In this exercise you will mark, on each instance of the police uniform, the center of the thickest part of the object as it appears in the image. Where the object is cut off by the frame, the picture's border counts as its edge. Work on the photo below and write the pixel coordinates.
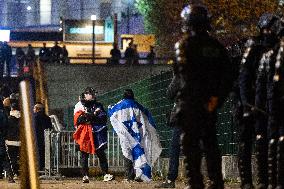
(276, 120)
(255, 91)
(206, 72)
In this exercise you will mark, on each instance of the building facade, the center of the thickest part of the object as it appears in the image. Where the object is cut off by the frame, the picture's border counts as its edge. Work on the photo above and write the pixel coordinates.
(19, 14)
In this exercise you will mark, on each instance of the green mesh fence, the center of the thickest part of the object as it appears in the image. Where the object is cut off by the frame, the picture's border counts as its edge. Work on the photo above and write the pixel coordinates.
(151, 93)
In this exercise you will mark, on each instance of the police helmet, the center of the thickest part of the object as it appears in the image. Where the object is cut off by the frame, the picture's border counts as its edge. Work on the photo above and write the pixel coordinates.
(280, 31)
(195, 16)
(268, 21)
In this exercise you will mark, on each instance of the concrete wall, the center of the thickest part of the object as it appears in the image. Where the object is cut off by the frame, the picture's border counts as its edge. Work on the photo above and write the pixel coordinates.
(229, 168)
(66, 82)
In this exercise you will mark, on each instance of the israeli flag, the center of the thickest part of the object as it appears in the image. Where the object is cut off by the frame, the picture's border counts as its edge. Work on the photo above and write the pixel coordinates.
(136, 130)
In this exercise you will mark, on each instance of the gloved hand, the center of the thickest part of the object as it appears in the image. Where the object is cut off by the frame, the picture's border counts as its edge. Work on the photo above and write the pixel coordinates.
(212, 103)
(84, 119)
(89, 117)
(247, 112)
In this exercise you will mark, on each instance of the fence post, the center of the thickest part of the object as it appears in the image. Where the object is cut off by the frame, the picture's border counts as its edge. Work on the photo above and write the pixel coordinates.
(58, 142)
(47, 152)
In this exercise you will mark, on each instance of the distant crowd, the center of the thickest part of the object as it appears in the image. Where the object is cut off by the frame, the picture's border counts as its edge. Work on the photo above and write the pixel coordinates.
(131, 55)
(25, 59)
(55, 54)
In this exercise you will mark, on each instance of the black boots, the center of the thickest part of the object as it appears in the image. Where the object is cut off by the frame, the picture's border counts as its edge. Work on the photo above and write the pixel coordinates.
(244, 165)
(261, 162)
(272, 150)
(280, 163)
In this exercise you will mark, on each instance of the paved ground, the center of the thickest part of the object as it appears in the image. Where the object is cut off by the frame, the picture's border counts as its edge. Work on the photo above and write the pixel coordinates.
(94, 184)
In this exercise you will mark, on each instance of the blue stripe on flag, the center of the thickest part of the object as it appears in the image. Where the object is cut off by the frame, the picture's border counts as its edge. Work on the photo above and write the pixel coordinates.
(128, 103)
(146, 170)
(137, 151)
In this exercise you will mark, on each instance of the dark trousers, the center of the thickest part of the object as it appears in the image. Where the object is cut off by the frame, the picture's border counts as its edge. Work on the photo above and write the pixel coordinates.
(199, 128)
(276, 142)
(261, 124)
(245, 141)
(20, 70)
(1, 70)
(41, 153)
(174, 154)
(12, 164)
(2, 155)
(275, 117)
(129, 169)
(102, 159)
(8, 63)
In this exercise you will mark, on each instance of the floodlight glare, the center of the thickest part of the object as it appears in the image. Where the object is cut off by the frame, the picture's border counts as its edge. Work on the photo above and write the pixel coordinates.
(93, 17)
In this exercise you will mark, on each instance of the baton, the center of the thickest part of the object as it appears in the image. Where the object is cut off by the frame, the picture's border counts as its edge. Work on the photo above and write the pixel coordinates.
(254, 108)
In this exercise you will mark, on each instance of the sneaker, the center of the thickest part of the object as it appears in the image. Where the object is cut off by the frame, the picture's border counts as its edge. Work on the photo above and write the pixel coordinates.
(108, 177)
(86, 179)
(11, 180)
(166, 184)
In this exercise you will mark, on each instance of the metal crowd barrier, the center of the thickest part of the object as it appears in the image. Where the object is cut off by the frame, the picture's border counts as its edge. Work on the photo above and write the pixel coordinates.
(61, 152)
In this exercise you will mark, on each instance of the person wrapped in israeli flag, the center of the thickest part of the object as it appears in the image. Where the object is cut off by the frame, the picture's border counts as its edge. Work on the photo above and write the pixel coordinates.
(139, 140)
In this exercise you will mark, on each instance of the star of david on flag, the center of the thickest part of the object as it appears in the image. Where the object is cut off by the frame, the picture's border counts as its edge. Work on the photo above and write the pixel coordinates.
(136, 130)
(133, 128)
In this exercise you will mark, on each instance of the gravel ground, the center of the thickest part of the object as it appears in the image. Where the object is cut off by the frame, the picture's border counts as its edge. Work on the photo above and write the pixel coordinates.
(94, 184)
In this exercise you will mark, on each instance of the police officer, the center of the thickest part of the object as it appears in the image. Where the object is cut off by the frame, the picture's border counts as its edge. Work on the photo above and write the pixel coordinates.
(276, 118)
(206, 78)
(175, 148)
(245, 129)
(254, 72)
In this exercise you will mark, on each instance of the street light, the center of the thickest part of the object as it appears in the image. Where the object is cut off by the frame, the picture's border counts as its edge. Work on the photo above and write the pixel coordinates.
(93, 18)
(128, 18)
(128, 15)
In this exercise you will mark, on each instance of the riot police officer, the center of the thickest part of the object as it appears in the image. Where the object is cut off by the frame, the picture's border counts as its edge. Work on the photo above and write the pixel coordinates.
(244, 127)
(253, 83)
(206, 78)
(276, 117)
